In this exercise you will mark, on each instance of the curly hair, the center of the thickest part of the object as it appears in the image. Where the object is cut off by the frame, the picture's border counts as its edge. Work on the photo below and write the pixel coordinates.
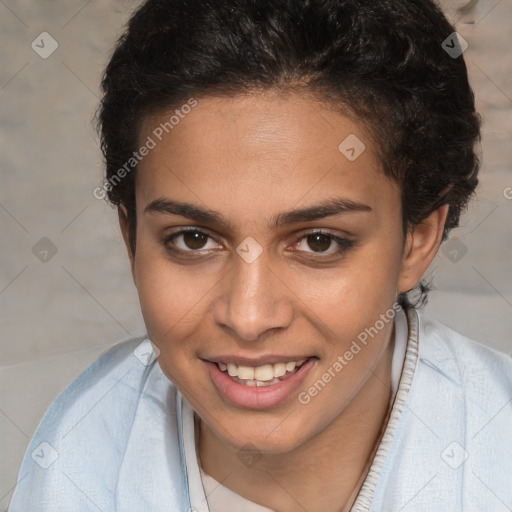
(381, 61)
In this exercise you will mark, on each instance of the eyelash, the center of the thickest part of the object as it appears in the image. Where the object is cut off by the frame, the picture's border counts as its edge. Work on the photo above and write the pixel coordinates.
(344, 244)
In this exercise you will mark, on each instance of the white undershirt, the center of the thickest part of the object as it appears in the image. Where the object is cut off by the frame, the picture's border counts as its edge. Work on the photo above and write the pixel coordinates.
(208, 495)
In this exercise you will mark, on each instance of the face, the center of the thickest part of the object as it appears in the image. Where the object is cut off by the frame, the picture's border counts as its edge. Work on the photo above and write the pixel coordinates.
(260, 244)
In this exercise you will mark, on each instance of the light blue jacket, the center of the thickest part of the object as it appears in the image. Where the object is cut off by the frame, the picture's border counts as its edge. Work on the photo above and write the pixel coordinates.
(112, 441)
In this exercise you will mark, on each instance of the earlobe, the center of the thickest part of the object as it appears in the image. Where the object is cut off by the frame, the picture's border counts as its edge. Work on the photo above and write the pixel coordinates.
(421, 246)
(125, 231)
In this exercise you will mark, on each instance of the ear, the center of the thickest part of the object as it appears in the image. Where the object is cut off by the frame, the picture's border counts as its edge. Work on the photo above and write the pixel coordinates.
(123, 224)
(421, 246)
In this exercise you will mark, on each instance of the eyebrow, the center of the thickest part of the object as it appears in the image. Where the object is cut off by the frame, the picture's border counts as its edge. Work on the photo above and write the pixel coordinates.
(329, 208)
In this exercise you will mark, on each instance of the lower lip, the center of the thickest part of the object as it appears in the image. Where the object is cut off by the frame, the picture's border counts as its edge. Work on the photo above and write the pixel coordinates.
(257, 397)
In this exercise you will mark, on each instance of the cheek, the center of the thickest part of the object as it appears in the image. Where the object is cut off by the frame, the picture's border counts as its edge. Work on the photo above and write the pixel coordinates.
(172, 300)
(354, 315)
(351, 297)
(174, 307)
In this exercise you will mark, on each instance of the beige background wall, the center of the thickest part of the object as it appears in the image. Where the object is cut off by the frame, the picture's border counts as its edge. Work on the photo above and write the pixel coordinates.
(57, 316)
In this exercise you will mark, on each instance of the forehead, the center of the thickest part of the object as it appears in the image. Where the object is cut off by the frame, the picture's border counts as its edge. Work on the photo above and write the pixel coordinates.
(259, 151)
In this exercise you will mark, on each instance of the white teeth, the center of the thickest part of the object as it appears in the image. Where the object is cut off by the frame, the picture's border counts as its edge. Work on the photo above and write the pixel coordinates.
(265, 372)
(279, 369)
(245, 372)
(258, 383)
(260, 375)
(290, 366)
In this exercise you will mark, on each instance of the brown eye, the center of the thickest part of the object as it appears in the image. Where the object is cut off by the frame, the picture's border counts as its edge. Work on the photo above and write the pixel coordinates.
(190, 241)
(195, 239)
(319, 242)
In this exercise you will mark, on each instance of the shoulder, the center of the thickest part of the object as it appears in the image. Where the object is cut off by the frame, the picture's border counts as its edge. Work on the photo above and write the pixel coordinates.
(87, 434)
(465, 388)
(464, 361)
(456, 418)
(124, 366)
(109, 389)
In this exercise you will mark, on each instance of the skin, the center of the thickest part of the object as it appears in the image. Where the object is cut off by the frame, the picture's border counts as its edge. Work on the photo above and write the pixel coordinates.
(250, 158)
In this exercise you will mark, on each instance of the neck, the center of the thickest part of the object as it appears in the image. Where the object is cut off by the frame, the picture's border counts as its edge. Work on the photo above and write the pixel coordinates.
(324, 473)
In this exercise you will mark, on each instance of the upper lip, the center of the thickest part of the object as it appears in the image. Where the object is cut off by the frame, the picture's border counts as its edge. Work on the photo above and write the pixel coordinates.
(258, 361)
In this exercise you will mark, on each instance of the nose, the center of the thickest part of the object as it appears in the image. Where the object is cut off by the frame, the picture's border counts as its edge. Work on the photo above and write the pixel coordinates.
(253, 301)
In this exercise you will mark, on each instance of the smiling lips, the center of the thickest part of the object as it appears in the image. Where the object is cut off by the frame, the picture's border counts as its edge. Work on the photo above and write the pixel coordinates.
(265, 375)
(258, 387)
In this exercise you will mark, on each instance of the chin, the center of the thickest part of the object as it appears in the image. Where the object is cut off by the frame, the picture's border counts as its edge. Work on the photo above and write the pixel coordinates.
(277, 435)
